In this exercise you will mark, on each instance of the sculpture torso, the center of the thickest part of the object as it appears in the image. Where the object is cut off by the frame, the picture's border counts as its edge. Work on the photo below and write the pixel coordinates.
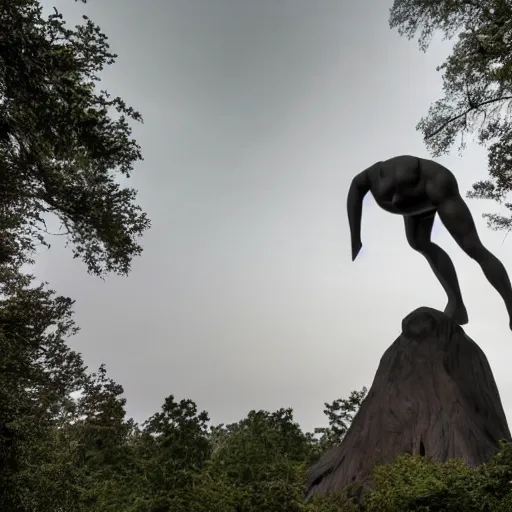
(400, 185)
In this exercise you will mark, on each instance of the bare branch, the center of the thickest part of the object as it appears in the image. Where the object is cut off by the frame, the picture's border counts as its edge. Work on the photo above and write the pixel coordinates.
(465, 113)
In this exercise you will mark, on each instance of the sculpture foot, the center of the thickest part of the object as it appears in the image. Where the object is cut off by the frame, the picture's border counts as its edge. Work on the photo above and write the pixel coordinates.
(458, 313)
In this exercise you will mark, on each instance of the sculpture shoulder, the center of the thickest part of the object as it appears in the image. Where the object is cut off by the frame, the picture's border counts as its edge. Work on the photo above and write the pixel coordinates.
(374, 174)
(365, 180)
(440, 183)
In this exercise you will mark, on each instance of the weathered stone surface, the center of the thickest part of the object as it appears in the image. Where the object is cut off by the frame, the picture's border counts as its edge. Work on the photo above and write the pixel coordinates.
(433, 394)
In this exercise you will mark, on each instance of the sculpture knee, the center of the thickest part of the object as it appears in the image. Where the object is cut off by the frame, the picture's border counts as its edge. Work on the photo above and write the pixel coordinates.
(476, 251)
(419, 245)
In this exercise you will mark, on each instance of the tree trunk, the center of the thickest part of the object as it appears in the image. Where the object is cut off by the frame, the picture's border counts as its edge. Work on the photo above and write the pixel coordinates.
(433, 394)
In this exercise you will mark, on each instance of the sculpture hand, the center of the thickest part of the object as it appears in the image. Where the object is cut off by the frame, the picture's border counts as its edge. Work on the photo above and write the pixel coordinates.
(356, 247)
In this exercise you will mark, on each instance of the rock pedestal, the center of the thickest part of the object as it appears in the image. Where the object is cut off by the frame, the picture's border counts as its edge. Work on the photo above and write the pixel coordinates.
(433, 394)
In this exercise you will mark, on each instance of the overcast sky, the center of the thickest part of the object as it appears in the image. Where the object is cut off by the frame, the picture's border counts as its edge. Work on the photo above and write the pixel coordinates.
(257, 116)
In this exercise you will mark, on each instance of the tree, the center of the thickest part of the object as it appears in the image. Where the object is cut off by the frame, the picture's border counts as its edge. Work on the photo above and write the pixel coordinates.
(340, 414)
(63, 148)
(477, 84)
(38, 371)
(100, 436)
(63, 144)
(417, 483)
(264, 457)
(173, 449)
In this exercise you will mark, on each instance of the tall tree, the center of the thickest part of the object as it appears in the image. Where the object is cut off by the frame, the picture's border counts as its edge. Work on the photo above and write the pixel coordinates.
(37, 372)
(63, 144)
(477, 84)
(101, 439)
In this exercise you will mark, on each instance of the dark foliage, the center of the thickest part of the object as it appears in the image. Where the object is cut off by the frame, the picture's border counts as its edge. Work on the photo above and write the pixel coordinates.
(477, 84)
(63, 144)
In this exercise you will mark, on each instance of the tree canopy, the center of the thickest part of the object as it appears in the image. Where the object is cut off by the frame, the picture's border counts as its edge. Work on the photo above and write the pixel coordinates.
(63, 143)
(63, 147)
(80, 452)
(477, 84)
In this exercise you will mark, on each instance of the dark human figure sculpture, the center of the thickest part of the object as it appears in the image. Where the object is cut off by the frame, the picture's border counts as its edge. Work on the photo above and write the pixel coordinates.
(417, 189)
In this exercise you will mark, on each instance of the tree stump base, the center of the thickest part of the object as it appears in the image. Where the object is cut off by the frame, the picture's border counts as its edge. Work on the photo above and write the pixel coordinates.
(433, 394)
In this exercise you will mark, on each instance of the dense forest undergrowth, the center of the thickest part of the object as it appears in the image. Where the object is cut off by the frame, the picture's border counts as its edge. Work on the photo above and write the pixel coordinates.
(67, 445)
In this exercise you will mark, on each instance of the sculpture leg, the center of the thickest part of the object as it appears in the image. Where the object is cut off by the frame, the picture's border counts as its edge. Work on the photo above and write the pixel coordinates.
(418, 229)
(457, 218)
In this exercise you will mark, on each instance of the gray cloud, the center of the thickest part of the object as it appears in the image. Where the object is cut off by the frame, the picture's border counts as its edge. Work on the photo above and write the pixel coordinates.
(257, 116)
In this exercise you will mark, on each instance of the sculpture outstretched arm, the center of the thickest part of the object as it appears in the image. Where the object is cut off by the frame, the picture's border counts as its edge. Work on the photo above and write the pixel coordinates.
(358, 189)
